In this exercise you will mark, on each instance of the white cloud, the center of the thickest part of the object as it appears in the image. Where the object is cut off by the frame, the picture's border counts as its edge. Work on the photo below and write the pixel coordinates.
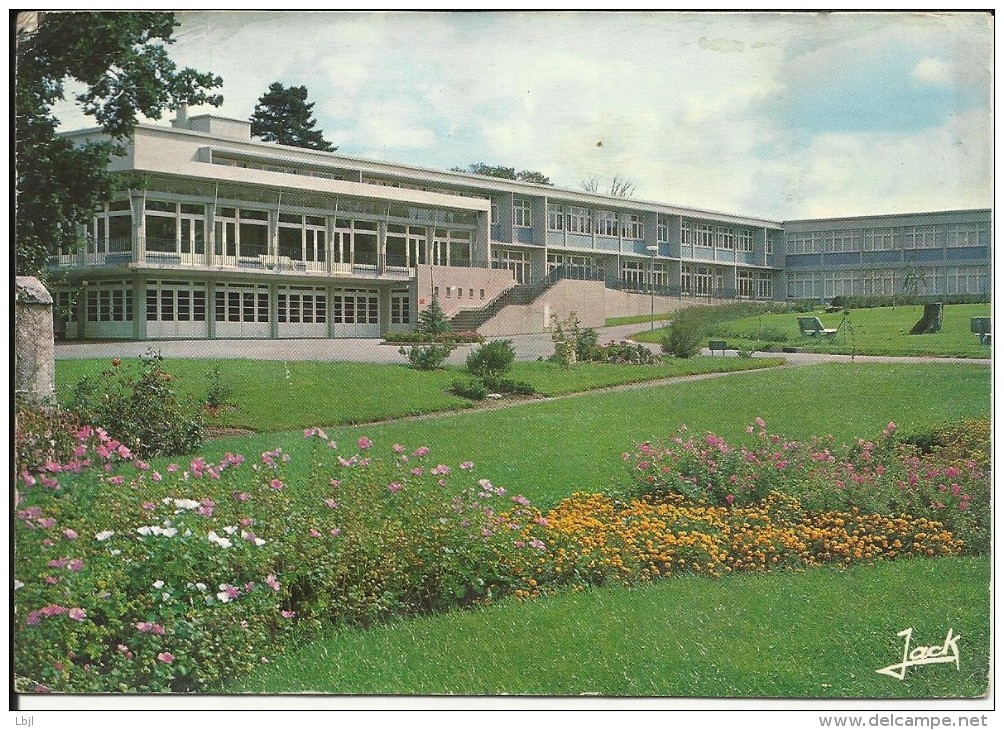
(933, 71)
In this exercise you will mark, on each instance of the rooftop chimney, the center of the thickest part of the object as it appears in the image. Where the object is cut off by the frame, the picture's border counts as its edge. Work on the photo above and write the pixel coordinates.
(182, 119)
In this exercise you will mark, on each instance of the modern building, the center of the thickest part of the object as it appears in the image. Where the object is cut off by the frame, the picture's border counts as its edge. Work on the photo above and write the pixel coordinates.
(217, 235)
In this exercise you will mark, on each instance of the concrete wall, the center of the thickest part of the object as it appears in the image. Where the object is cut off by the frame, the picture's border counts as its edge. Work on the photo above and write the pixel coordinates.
(34, 345)
(455, 285)
(629, 304)
(583, 298)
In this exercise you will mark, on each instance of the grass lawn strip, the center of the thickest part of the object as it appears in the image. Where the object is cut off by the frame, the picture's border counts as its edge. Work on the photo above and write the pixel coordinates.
(550, 449)
(821, 633)
(276, 395)
(878, 331)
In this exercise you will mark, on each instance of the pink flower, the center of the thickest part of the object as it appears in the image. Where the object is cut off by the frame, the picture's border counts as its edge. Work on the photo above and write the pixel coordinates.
(336, 532)
(275, 484)
(467, 465)
(417, 471)
(116, 480)
(242, 496)
(332, 504)
(77, 614)
(394, 487)
(171, 468)
(730, 499)
(288, 614)
(442, 469)
(47, 522)
(272, 582)
(246, 521)
(314, 533)
(364, 443)
(420, 451)
(520, 499)
(70, 534)
(166, 657)
(398, 449)
(336, 483)
(76, 565)
(760, 422)
(58, 563)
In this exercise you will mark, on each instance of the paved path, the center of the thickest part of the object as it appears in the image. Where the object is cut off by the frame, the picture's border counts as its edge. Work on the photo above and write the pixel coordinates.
(528, 347)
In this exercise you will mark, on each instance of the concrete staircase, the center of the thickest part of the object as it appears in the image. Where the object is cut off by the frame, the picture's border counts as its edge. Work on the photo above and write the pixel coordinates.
(468, 320)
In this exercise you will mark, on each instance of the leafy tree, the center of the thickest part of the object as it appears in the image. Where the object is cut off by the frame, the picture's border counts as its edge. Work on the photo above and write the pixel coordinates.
(506, 173)
(432, 320)
(121, 60)
(619, 187)
(283, 115)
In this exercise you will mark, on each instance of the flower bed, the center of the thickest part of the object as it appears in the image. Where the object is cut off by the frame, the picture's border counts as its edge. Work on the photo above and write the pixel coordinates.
(131, 579)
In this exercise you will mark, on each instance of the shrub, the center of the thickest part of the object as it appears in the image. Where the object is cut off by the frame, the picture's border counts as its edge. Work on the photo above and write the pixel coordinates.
(140, 409)
(683, 339)
(565, 336)
(626, 353)
(469, 388)
(878, 476)
(42, 435)
(428, 357)
(220, 394)
(426, 338)
(432, 320)
(508, 387)
(587, 345)
(492, 360)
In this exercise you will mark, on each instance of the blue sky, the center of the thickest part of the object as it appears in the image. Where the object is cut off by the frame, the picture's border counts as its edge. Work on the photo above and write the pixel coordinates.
(773, 114)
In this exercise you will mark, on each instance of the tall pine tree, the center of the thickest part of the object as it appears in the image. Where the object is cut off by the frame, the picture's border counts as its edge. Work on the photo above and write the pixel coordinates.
(283, 115)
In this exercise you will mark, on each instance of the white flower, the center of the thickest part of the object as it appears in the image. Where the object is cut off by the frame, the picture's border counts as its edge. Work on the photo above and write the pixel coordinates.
(185, 504)
(169, 532)
(116, 552)
(201, 586)
(223, 596)
(166, 500)
(102, 536)
(221, 541)
(158, 584)
(166, 597)
(145, 530)
(18, 584)
(259, 542)
(188, 533)
(230, 529)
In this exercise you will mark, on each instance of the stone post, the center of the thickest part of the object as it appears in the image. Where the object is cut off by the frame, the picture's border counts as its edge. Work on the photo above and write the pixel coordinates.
(34, 344)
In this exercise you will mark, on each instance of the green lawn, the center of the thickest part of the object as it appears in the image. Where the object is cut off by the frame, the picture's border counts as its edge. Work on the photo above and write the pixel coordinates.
(879, 331)
(822, 633)
(638, 318)
(550, 449)
(276, 396)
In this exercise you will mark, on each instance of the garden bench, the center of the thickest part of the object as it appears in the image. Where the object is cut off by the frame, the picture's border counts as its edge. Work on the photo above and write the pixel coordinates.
(812, 327)
(980, 326)
(716, 345)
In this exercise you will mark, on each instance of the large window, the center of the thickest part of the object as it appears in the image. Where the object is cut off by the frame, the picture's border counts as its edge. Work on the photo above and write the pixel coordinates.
(302, 238)
(662, 230)
(634, 227)
(111, 229)
(175, 301)
(355, 306)
(517, 261)
(521, 214)
(109, 301)
(400, 307)
(744, 240)
(579, 220)
(301, 305)
(241, 303)
(606, 223)
(969, 234)
(555, 218)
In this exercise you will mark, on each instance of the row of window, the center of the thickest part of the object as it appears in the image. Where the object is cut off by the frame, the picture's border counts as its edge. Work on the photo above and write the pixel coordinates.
(723, 237)
(889, 239)
(947, 280)
(180, 301)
